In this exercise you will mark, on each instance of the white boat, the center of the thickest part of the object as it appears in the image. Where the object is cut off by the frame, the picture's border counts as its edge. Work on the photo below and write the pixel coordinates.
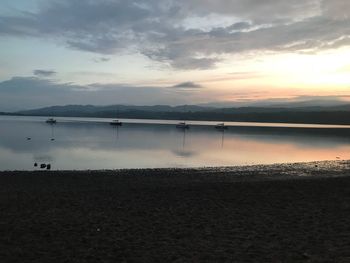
(116, 123)
(182, 125)
(51, 121)
(221, 126)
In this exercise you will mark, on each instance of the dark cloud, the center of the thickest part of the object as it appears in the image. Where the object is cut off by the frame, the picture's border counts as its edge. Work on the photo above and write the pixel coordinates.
(239, 26)
(32, 86)
(21, 93)
(187, 85)
(158, 30)
(33, 92)
(44, 73)
(193, 63)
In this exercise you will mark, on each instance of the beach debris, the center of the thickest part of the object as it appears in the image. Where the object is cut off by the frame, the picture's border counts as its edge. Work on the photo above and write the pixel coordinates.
(43, 165)
(48, 166)
(28, 138)
(35, 164)
(52, 139)
(306, 255)
(337, 157)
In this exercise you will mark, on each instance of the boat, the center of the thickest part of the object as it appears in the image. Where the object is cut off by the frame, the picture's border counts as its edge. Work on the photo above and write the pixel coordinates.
(182, 125)
(116, 123)
(221, 126)
(51, 121)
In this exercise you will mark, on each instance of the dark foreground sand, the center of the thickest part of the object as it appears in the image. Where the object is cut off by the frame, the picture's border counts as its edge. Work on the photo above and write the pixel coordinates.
(243, 214)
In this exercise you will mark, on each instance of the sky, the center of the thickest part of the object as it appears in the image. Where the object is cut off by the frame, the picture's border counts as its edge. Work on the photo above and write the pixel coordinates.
(147, 52)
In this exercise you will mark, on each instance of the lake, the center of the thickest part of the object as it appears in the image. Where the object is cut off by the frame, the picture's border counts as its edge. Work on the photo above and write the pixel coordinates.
(91, 143)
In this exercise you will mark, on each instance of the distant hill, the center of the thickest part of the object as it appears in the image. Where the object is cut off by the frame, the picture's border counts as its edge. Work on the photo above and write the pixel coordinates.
(339, 114)
(110, 110)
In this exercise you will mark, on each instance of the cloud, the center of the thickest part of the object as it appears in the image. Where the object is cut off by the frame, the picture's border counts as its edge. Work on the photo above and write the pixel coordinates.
(101, 59)
(187, 85)
(44, 73)
(158, 29)
(336, 9)
(240, 26)
(20, 93)
(261, 11)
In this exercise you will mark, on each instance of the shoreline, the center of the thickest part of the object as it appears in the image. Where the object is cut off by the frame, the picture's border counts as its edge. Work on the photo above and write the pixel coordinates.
(314, 169)
(197, 122)
(270, 213)
(316, 120)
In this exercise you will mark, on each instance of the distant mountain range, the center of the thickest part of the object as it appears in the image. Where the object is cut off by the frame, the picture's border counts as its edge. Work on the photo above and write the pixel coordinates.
(112, 110)
(297, 112)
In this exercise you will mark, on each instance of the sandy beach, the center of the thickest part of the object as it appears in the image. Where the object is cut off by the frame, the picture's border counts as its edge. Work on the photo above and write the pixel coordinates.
(271, 213)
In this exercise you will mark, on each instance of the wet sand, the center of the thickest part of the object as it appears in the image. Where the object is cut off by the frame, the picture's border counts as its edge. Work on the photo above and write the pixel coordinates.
(275, 213)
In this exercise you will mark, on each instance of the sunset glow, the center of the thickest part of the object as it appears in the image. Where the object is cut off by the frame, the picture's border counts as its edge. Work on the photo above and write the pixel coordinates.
(230, 49)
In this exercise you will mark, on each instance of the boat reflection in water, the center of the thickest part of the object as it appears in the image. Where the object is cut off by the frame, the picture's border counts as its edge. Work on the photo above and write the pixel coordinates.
(116, 123)
(221, 126)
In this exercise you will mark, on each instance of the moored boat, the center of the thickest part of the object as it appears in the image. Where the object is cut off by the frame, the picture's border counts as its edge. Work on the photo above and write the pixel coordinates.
(182, 125)
(221, 126)
(51, 121)
(116, 123)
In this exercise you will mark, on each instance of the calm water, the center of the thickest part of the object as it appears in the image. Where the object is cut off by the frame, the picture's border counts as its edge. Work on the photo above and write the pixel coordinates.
(87, 143)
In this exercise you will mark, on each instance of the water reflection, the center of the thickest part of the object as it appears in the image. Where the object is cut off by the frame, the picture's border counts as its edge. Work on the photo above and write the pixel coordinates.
(183, 151)
(115, 130)
(92, 145)
(52, 131)
(222, 131)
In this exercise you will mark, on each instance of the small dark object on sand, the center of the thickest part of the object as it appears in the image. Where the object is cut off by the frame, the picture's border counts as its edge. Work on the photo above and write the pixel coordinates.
(306, 255)
(316, 165)
(42, 165)
(35, 164)
(52, 139)
(48, 167)
(28, 138)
